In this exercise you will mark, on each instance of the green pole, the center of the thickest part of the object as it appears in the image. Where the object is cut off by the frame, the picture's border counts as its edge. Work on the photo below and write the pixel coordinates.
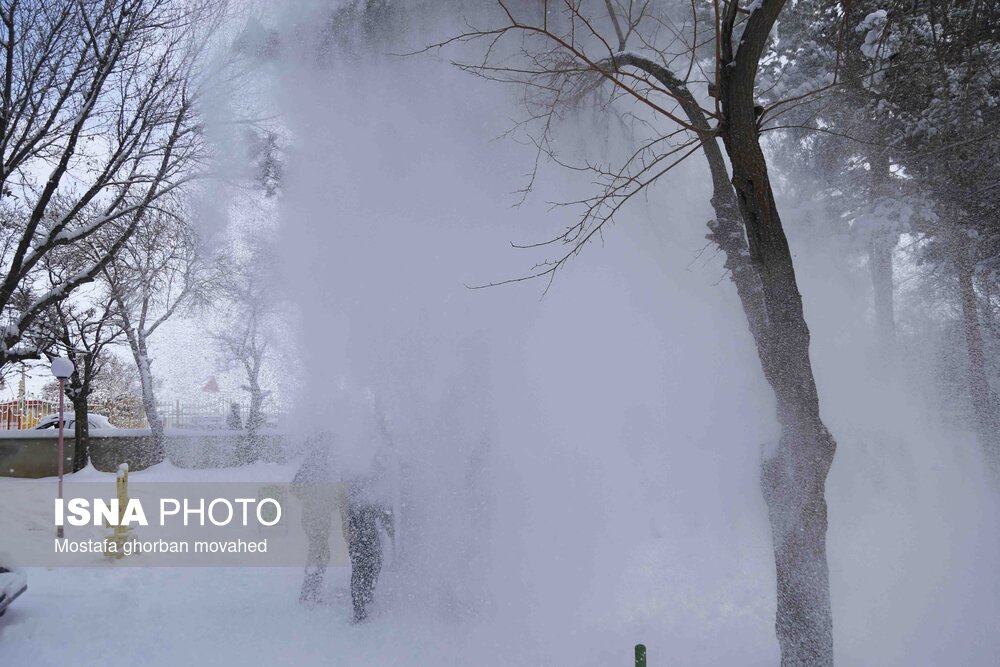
(640, 655)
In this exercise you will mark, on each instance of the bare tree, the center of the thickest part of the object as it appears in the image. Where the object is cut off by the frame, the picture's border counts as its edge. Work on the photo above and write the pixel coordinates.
(116, 391)
(97, 122)
(84, 334)
(83, 325)
(156, 274)
(112, 388)
(563, 54)
(246, 334)
(944, 138)
(794, 476)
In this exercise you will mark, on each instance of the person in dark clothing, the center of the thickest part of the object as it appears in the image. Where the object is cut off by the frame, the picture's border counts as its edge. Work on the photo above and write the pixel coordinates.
(362, 511)
(365, 548)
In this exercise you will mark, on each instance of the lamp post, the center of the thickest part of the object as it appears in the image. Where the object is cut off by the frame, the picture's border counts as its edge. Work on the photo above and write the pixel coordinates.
(62, 368)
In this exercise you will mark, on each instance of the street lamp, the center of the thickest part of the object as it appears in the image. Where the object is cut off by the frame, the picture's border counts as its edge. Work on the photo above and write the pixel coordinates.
(62, 368)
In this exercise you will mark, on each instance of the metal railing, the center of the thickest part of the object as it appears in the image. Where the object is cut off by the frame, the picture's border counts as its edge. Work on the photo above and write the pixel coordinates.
(212, 415)
(207, 414)
(24, 414)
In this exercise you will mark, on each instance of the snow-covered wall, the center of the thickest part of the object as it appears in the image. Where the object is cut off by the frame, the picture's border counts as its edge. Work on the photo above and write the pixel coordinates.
(33, 453)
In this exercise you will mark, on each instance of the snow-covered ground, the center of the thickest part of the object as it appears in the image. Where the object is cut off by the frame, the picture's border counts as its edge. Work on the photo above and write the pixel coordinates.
(214, 616)
(117, 614)
(900, 599)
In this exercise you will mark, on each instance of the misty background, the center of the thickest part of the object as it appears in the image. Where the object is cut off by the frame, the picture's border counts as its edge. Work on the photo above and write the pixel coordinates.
(613, 427)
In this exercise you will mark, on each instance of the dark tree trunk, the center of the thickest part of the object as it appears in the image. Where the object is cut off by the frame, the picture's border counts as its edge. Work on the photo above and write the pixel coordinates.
(793, 476)
(251, 437)
(726, 230)
(82, 432)
(255, 417)
(983, 400)
(78, 392)
(880, 265)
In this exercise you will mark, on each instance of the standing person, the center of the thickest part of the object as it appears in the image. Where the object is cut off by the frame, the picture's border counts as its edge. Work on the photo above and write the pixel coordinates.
(367, 505)
(364, 545)
(314, 486)
(363, 505)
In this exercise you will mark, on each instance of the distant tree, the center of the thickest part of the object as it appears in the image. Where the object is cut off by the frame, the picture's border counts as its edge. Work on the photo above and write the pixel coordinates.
(113, 392)
(116, 392)
(823, 124)
(247, 307)
(900, 139)
(158, 273)
(247, 332)
(83, 326)
(264, 153)
(85, 333)
(933, 73)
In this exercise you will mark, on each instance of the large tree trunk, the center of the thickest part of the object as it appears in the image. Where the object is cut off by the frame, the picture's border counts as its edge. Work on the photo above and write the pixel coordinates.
(81, 454)
(793, 476)
(78, 392)
(983, 400)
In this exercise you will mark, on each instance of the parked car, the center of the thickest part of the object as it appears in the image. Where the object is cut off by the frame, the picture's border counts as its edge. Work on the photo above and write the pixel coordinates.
(94, 420)
(12, 584)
